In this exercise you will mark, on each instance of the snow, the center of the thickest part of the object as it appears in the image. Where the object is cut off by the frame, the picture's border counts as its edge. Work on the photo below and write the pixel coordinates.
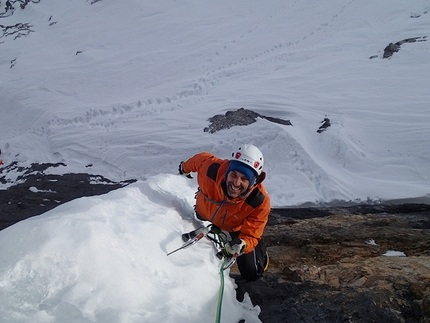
(127, 87)
(393, 253)
(371, 242)
(103, 259)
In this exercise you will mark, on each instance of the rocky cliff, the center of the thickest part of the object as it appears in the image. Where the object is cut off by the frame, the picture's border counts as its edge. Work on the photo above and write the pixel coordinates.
(358, 264)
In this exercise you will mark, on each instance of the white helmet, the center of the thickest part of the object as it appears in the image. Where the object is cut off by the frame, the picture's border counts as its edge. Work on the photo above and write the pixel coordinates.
(250, 156)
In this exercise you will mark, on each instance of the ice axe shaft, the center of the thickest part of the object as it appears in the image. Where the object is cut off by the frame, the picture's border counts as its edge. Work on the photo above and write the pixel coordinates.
(189, 243)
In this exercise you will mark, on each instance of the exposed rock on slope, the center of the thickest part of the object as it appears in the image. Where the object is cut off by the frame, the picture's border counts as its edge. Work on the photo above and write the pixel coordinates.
(394, 48)
(240, 117)
(37, 192)
(332, 268)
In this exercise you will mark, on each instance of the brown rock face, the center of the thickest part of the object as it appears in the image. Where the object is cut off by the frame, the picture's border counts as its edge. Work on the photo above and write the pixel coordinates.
(329, 265)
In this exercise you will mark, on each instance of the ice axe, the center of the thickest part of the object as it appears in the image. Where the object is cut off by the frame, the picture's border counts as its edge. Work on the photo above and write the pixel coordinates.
(201, 232)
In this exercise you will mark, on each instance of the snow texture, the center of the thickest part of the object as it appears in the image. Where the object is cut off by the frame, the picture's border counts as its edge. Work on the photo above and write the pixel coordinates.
(125, 89)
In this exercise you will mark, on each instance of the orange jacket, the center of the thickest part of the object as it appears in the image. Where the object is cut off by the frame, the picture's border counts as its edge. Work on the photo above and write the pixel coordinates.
(247, 214)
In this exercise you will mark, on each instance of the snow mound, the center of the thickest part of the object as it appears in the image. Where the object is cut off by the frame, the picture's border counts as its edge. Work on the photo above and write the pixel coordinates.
(103, 259)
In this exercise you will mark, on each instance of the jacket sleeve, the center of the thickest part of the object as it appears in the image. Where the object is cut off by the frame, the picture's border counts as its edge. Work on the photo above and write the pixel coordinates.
(254, 224)
(194, 163)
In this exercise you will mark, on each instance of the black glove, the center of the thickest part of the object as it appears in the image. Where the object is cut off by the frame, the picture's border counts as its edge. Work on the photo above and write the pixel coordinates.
(181, 171)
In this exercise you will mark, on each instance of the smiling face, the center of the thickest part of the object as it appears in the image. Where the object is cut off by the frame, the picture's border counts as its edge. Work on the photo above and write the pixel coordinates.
(237, 184)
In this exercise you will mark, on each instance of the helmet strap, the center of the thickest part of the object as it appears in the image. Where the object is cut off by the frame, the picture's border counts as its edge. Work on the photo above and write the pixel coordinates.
(260, 178)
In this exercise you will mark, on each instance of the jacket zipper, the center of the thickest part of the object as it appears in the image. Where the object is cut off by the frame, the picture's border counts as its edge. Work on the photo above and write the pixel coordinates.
(217, 210)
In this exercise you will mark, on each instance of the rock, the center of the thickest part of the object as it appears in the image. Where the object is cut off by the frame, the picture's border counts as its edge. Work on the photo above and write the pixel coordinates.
(394, 48)
(37, 192)
(330, 267)
(425, 305)
(240, 117)
(325, 124)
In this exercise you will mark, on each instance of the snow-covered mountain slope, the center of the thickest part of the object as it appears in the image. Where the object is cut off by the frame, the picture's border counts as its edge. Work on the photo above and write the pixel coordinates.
(128, 87)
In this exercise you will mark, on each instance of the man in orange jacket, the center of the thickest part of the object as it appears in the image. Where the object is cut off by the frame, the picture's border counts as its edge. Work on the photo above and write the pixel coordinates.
(233, 199)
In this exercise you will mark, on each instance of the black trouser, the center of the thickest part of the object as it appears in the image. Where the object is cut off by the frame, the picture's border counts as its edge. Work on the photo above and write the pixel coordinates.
(251, 265)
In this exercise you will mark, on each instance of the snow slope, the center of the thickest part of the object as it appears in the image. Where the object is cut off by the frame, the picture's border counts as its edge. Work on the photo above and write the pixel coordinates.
(128, 87)
(104, 259)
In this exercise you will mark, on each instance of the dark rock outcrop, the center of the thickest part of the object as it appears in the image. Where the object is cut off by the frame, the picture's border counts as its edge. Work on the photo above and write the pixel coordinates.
(395, 47)
(37, 192)
(328, 265)
(240, 117)
(325, 124)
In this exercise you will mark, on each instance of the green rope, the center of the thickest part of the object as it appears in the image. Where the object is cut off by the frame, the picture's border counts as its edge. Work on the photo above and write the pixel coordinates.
(221, 292)
(226, 264)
